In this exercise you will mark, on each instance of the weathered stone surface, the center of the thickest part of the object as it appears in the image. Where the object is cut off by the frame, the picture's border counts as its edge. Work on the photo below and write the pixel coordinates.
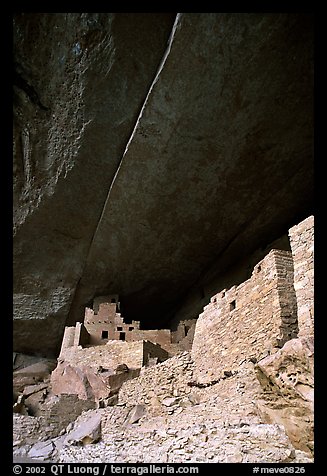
(87, 382)
(241, 416)
(189, 187)
(215, 430)
(170, 401)
(30, 389)
(35, 401)
(163, 382)
(19, 406)
(245, 321)
(302, 244)
(32, 374)
(113, 353)
(42, 450)
(80, 81)
(121, 368)
(53, 417)
(182, 178)
(135, 414)
(290, 370)
(217, 423)
(287, 379)
(25, 429)
(59, 411)
(24, 360)
(67, 379)
(86, 432)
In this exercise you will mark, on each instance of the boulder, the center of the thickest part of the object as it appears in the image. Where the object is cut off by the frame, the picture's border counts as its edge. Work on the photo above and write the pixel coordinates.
(86, 432)
(290, 370)
(82, 381)
(32, 374)
(42, 450)
(109, 401)
(170, 401)
(35, 401)
(88, 382)
(287, 381)
(30, 389)
(21, 361)
(135, 414)
(121, 368)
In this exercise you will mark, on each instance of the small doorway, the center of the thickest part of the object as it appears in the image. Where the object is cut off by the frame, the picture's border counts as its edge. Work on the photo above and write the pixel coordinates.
(121, 335)
(104, 335)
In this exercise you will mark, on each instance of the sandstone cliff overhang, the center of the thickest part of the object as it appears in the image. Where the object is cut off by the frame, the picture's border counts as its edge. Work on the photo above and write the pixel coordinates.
(147, 148)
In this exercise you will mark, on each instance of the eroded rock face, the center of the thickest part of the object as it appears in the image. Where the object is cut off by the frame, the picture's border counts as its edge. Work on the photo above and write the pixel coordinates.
(32, 374)
(160, 417)
(287, 379)
(216, 155)
(211, 172)
(87, 382)
(80, 81)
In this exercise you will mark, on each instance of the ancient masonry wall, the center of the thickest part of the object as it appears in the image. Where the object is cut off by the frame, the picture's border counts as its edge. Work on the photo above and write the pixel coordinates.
(68, 339)
(55, 415)
(103, 323)
(74, 337)
(107, 324)
(217, 278)
(302, 244)
(161, 337)
(184, 333)
(247, 321)
(109, 356)
(64, 409)
(81, 337)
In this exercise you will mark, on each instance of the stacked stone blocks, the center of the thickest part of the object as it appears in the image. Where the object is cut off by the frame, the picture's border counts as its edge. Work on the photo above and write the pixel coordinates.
(302, 244)
(260, 315)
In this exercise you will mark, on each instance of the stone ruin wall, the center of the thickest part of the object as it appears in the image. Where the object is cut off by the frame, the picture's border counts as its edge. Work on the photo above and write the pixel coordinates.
(63, 409)
(258, 316)
(53, 417)
(247, 320)
(107, 324)
(183, 336)
(218, 278)
(104, 323)
(302, 244)
(95, 373)
(109, 356)
(162, 337)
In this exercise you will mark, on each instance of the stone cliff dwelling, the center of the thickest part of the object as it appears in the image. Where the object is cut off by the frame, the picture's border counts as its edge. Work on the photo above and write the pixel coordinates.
(103, 323)
(260, 314)
(163, 237)
(250, 322)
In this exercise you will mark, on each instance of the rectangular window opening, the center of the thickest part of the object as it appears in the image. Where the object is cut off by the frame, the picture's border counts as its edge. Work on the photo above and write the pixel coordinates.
(232, 305)
(104, 335)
